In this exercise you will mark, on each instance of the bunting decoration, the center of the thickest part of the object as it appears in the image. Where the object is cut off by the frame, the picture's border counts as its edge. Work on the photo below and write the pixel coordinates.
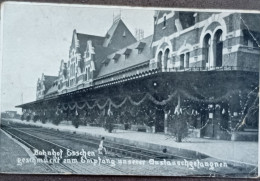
(110, 102)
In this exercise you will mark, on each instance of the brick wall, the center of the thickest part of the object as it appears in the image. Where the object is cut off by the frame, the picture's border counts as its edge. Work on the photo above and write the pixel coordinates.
(245, 59)
(161, 31)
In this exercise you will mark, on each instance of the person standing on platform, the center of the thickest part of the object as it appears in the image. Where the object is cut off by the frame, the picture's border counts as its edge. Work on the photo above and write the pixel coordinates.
(101, 148)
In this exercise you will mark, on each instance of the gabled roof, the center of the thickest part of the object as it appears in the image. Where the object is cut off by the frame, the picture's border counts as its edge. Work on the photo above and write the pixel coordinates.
(114, 35)
(83, 40)
(110, 33)
(133, 59)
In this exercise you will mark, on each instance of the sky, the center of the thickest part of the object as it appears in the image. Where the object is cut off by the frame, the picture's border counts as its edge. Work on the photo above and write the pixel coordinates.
(36, 37)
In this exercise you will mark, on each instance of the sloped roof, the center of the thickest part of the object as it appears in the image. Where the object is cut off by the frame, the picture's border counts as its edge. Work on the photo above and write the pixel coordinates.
(52, 89)
(113, 37)
(83, 41)
(100, 55)
(110, 33)
(133, 59)
(48, 81)
(248, 21)
(105, 61)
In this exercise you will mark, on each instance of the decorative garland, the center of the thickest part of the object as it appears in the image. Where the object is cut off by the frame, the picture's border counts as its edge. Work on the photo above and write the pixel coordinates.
(189, 125)
(224, 97)
(110, 102)
(224, 129)
(243, 120)
(137, 103)
(150, 97)
(164, 102)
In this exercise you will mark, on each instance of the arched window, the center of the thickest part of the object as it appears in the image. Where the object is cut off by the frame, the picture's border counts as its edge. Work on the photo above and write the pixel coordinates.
(206, 49)
(166, 57)
(218, 48)
(187, 60)
(159, 58)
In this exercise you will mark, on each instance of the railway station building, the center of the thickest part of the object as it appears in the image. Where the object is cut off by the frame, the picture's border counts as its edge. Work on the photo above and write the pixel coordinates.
(201, 65)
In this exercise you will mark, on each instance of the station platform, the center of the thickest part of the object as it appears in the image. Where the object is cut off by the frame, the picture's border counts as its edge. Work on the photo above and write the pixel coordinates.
(241, 152)
(10, 152)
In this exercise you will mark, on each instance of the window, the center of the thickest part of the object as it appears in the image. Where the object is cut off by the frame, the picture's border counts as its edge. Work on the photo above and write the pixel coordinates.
(159, 57)
(181, 61)
(87, 75)
(187, 60)
(166, 57)
(116, 57)
(106, 61)
(164, 21)
(206, 47)
(127, 53)
(218, 48)
(140, 47)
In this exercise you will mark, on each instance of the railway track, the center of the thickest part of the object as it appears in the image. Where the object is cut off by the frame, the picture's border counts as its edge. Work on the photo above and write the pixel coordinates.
(121, 150)
(34, 142)
(55, 168)
(41, 138)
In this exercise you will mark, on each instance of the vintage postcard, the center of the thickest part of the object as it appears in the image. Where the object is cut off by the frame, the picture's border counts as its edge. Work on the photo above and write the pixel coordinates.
(106, 90)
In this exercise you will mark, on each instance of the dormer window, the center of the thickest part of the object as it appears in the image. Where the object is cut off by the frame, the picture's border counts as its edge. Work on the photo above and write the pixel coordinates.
(116, 57)
(127, 52)
(140, 47)
(106, 61)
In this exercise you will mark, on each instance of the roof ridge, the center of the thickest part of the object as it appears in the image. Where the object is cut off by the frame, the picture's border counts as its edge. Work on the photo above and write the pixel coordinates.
(90, 35)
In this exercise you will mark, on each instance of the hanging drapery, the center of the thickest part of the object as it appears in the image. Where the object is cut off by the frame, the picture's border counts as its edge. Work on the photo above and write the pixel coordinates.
(148, 96)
